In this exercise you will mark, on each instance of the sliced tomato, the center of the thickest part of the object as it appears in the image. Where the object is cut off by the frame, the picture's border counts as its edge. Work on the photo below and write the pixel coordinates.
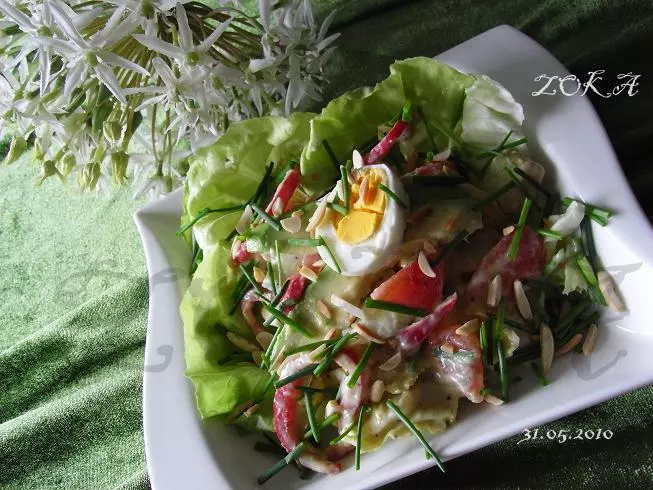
(464, 368)
(411, 287)
(285, 190)
(528, 264)
(384, 146)
(411, 337)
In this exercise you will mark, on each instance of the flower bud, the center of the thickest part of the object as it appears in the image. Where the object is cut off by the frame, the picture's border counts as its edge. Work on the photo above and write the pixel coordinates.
(119, 162)
(89, 176)
(48, 169)
(112, 131)
(16, 149)
(67, 164)
(37, 152)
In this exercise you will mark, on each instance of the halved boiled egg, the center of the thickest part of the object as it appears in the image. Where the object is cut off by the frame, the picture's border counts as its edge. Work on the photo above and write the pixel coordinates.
(362, 239)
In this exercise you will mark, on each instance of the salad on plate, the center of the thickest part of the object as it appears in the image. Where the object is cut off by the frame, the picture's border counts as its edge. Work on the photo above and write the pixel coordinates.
(359, 273)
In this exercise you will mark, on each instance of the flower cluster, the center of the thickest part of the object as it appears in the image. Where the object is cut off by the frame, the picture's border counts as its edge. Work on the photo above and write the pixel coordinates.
(127, 89)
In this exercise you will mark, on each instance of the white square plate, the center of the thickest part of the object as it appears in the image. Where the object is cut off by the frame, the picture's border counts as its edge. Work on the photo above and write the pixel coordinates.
(564, 132)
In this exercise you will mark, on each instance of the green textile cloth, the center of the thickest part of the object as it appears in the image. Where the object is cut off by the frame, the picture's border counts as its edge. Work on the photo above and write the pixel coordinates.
(73, 307)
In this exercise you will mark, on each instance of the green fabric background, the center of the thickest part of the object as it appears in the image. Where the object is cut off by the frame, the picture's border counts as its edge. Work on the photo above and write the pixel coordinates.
(73, 285)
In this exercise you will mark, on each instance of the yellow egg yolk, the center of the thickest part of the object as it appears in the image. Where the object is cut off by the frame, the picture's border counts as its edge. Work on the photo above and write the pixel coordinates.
(366, 208)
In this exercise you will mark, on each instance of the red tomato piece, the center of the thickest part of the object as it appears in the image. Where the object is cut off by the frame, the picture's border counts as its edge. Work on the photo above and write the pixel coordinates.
(411, 287)
(285, 190)
(411, 337)
(384, 146)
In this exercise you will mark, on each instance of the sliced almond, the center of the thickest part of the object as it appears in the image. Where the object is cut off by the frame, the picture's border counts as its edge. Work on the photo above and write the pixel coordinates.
(442, 156)
(424, 265)
(547, 347)
(590, 340)
(573, 342)
(429, 248)
(235, 246)
(259, 274)
(365, 332)
(364, 190)
(610, 293)
(323, 308)
(469, 328)
(347, 307)
(316, 353)
(493, 400)
(241, 342)
(494, 291)
(298, 213)
(245, 220)
(308, 273)
(357, 159)
(235, 413)
(448, 348)
(316, 219)
(523, 305)
(277, 206)
(508, 230)
(264, 339)
(331, 334)
(251, 410)
(377, 390)
(319, 263)
(391, 363)
(340, 191)
(292, 224)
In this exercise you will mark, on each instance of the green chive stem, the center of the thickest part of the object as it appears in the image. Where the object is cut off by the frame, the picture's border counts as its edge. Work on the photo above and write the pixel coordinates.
(308, 347)
(393, 196)
(304, 242)
(345, 186)
(361, 365)
(338, 208)
(494, 196)
(359, 438)
(310, 410)
(331, 154)
(292, 455)
(516, 238)
(205, 212)
(394, 307)
(295, 376)
(336, 266)
(251, 279)
(340, 437)
(550, 233)
(328, 359)
(273, 222)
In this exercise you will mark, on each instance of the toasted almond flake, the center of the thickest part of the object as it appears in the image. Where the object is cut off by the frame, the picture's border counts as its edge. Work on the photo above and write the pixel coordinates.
(377, 390)
(449, 171)
(277, 206)
(323, 308)
(508, 230)
(424, 265)
(319, 263)
(264, 339)
(331, 334)
(469, 328)
(298, 213)
(245, 220)
(448, 348)
(493, 400)
(573, 342)
(235, 413)
(547, 347)
(308, 273)
(241, 342)
(365, 332)
(357, 159)
(257, 357)
(494, 291)
(259, 274)
(347, 307)
(523, 305)
(365, 192)
(610, 293)
(590, 339)
(292, 224)
(429, 248)
(442, 156)
(251, 410)
(317, 215)
(340, 191)
(316, 353)
(391, 363)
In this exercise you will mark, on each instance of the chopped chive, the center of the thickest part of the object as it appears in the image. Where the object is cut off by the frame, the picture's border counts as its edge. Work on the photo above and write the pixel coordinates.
(516, 238)
(292, 455)
(304, 242)
(494, 153)
(273, 222)
(326, 391)
(494, 196)
(503, 372)
(540, 375)
(353, 378)
(323, 425)
(588, 241)
(279, 264)
(328, 359)
(556, 261)
(331, 154)
(540, 311)
(484, 340)
(338, 208)
(345, 186)
(567, 319)
(549, 233)
(422, 116)
(308, 347)
(533, 182)
(394, 307)
(515, 144)
(392, 406)
(449, 247)
(393, 196)
(598, 219)
(340, 437)
(267, 361)
(286, 320)
(359, 438)
(260, 189)
(336, 266)
(524, 355)
(205, 212)
(522, 187)
(275, 302)
(312, 422)
(273, 281)
(295, 376)
(590, 208)
(407, 112)
(580, 327)
(586, 269)
(251, 279)
(517, 325)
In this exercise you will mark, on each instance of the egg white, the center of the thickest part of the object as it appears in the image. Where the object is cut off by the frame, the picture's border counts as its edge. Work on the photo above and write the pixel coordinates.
(372, 254)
